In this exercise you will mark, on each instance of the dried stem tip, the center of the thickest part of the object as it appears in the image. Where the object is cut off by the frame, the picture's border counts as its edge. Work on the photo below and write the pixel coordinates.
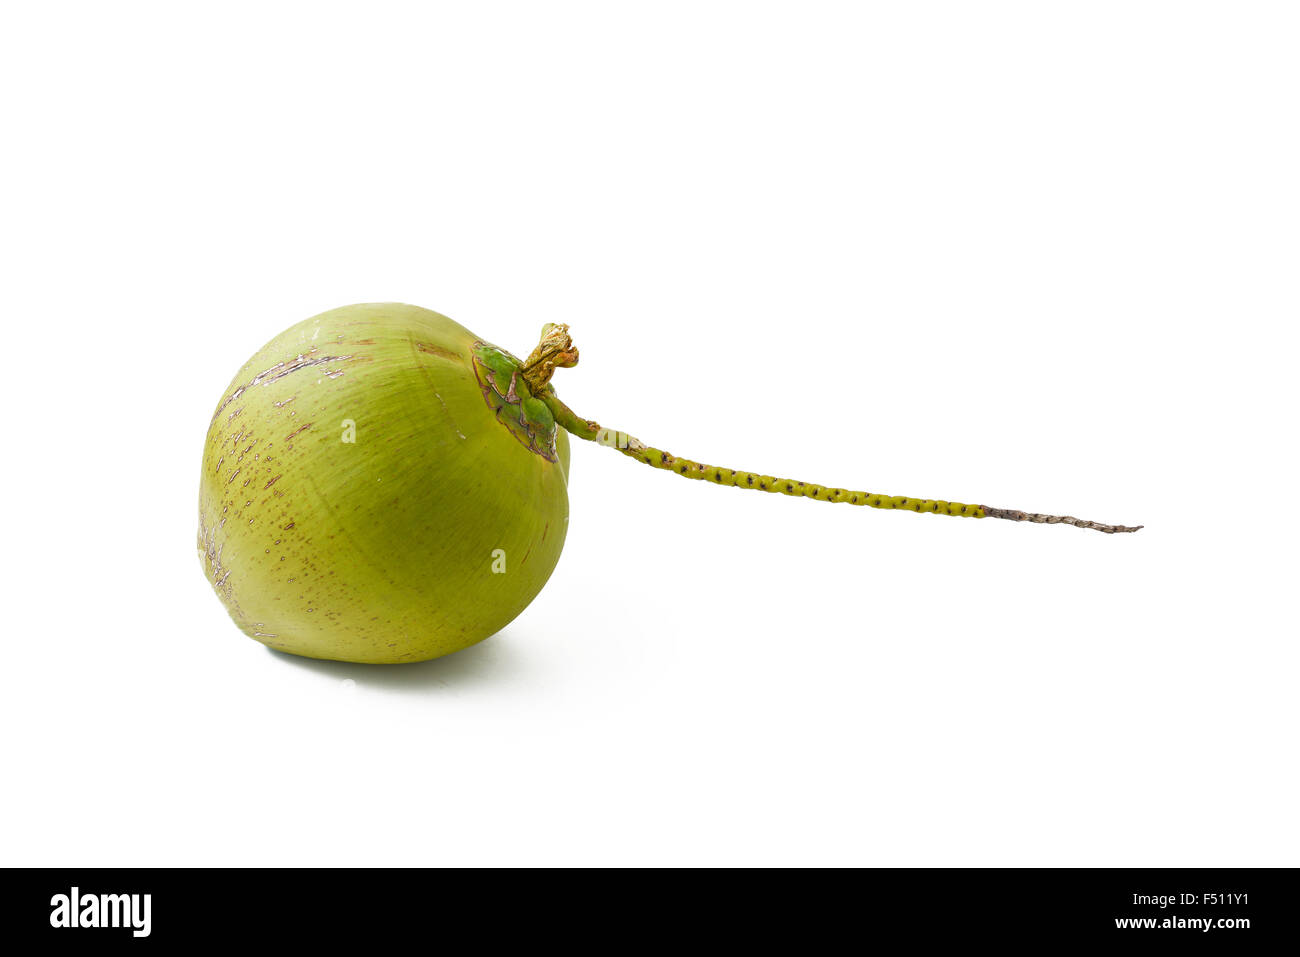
(1015, 515)
(554, 351)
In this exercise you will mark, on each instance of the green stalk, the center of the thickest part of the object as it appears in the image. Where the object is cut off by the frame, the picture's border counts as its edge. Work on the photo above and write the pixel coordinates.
(556, 351)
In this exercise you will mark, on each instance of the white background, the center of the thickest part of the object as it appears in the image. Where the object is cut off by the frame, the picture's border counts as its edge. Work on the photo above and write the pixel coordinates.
(1040, 256)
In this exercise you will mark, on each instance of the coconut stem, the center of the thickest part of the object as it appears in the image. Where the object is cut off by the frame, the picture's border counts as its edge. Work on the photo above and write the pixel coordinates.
(657, 458)
(554, 351)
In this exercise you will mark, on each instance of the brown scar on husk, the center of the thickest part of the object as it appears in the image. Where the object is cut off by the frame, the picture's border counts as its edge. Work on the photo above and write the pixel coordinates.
(424, 371)
(429, 348)
(305, 360)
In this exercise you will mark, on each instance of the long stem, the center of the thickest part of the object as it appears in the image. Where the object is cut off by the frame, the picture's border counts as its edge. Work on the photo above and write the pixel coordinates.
(718, 475)
(556, 351)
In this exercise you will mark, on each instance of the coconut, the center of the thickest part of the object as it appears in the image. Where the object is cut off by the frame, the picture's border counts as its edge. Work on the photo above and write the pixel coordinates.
(379, 485)
(382, 485)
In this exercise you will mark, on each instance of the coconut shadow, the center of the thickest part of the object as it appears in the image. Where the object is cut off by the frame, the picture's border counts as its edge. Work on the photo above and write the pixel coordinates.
(491, 661)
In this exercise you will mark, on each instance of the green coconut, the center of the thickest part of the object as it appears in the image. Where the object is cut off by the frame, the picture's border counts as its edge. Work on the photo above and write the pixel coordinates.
(379, 485)
(382, 485)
